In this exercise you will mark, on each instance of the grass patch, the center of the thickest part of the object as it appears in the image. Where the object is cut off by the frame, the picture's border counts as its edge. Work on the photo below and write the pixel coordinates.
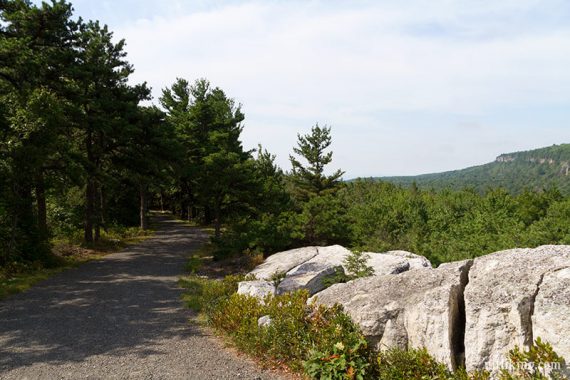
(12, 284)
(19, 277)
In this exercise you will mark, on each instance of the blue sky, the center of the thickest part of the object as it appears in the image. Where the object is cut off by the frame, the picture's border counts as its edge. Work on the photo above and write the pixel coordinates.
(422, 87)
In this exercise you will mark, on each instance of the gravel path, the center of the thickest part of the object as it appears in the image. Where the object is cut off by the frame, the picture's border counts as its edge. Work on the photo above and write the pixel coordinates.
(117, 318)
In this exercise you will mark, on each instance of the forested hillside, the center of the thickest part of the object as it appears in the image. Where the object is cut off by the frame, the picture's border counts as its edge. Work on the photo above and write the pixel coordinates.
(535, 169)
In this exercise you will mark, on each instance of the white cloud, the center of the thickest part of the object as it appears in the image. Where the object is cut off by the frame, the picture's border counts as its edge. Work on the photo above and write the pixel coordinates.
(294, 63)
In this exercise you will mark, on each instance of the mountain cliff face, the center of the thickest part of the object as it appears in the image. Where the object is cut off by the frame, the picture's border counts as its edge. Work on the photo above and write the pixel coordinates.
(557, 157)
(535, 170)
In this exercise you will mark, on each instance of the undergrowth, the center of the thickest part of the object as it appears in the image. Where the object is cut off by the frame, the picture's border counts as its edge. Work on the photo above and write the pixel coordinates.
(324, 343)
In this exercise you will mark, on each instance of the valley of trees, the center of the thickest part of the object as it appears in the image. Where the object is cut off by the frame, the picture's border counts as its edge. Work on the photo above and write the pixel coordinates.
(81, 155)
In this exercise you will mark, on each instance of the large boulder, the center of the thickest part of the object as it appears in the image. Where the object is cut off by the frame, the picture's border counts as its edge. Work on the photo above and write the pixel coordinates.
(508, 292)
(283, 262)
(383, 263)
(418, 308)
(310, 267)
(330, 261)
(258, 288)
(310, 276)
(551, 318)
(312, 273)
(415, 261)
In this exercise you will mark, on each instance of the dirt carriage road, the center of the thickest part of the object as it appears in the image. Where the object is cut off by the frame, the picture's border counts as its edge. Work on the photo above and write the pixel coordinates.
(117, 318)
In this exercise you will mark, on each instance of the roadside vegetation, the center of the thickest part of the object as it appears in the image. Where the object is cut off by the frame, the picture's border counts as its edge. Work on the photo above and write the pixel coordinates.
(67, 252)
(324, 343)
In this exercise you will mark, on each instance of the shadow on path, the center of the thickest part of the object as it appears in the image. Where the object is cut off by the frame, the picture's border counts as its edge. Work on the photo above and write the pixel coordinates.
(127, 302)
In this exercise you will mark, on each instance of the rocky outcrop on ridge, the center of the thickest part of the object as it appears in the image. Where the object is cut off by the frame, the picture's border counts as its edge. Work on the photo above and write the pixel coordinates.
(391, 309)
(465, 313)
(500, 303)
(307, 268)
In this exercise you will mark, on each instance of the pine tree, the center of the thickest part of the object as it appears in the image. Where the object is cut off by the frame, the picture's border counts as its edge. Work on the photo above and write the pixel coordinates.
(310, 179)
(36, 49)
(216, 173)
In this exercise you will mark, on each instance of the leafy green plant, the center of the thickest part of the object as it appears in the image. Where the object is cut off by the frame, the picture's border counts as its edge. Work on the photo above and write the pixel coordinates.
(340, 364)
(396, 364)
(193, 264)
(204, 294)
(338, 277)
(277, 277)
(539, 362)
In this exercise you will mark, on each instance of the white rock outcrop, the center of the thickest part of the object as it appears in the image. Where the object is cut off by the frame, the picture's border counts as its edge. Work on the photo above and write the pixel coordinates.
(551, 318)
(283, 262)
(500, 303)
(469, 312)
(384, 263)
(309, 276)
(417, 308)
(415, 261)
(258, 288)
(305, 268)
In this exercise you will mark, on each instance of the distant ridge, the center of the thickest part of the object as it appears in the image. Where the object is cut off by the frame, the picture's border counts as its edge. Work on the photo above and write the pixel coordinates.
(536, 169)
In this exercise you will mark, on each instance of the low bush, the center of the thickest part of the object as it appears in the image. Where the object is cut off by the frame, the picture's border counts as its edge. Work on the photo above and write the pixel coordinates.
(396, 364)
(539, 362)
(296, 332)
(325, 343)
(207, 295)
(342, 363)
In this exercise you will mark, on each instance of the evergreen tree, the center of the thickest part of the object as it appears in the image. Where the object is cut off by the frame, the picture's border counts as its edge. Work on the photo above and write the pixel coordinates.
(310, 179)
(217, 173)
(106, 103)
(321, 218)
(37, 50)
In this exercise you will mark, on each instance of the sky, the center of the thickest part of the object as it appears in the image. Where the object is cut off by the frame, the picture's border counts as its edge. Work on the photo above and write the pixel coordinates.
(407, 87)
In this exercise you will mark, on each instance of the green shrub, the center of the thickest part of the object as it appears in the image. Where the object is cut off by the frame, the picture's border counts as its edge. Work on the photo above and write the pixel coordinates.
(206, 295)
(539, 362)
(193, 264)
(342, 363)
(277, 277)
(338, 277)
(296, 331)
(395, 364)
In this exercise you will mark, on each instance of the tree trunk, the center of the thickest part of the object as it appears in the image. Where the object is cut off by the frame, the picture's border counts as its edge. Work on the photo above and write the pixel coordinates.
(89, 191)
(89, 210)
(41, 205)
(161, 202)
(98, 211)
(97, 236)
(142, 209)
(102, 208)
(217, 223)
(207, 215)
(25, 240)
